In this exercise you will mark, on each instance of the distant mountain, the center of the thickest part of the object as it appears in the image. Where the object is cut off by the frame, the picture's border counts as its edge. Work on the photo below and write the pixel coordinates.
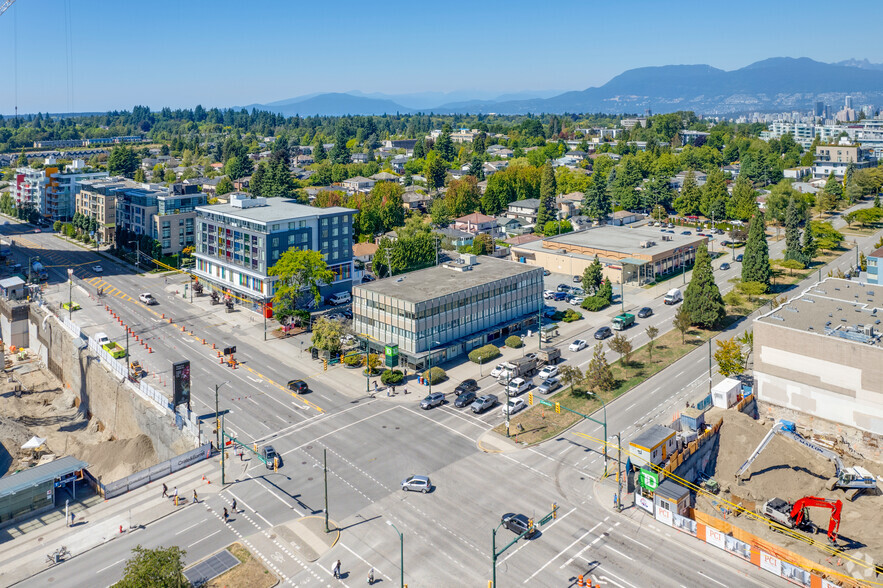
(776, 84)
(860, 63)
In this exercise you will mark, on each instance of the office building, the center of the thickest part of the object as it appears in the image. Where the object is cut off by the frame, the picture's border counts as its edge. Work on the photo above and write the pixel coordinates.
(631, 255)
(448, 309)
(820, 356)
(237, 242)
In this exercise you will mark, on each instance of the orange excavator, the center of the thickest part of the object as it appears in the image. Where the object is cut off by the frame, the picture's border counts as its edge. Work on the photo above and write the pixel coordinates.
(797, 516)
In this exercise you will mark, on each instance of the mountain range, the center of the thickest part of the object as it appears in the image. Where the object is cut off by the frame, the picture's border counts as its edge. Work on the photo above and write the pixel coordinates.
(776, 84)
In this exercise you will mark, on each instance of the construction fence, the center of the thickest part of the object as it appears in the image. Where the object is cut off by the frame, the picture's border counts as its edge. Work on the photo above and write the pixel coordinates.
(160, 470)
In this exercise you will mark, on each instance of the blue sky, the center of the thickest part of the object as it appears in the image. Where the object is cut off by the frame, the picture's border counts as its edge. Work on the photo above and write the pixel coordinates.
(222, 53)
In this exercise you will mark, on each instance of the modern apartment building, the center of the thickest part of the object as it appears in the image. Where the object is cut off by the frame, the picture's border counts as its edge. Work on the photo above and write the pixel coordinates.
(174, 224)
(836, 158)
(237, 242)
(29, 185)
(448, 310)
(820, 357)
(136, 206)
(96, 199)
(60, 199)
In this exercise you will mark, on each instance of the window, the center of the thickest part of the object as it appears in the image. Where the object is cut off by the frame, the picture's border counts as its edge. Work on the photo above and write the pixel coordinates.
(275, 241)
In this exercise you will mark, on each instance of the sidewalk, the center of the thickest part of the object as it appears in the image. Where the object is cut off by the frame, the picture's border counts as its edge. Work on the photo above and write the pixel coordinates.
(100, 521)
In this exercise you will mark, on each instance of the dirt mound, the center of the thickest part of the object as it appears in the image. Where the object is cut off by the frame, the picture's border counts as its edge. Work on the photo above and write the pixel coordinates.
(785, 469)
(112, 460)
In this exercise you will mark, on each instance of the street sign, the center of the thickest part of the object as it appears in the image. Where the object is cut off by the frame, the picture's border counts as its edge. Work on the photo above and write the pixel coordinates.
(229, 350)
(648, 479)
(391, 353)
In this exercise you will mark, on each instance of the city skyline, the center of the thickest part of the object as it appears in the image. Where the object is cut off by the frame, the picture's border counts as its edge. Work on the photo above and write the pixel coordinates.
(216, 54)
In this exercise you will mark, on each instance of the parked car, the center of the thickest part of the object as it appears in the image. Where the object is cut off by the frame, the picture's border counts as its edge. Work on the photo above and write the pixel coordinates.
(577, 300)
(269, 454)
(417, 484)
(495, 373)
(549, 311)
(147, 298)
(739, 257)
(469, 385)
(549, 371)
(549, 386)
(686, 233)
(517, 523)
(578, 345)
(519, 386)
(548, 294)
(603, 333)
(298, 386)
(563, 288)
(434, 399)
(482, 403)
(97, 268)
(725, 266)
(547, 272)
(645, 312)
(577, 279)
(347, 314)
(514, 405)
(559, 296)
(465, 399)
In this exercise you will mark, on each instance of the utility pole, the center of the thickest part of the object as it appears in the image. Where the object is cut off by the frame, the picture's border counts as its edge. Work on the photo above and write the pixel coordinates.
(325, 472)
(540, 325)
(508, 382)
(70, 294)
(217, 416)
(619, 472)
(709, 366)
(223, 481)
(401, 554)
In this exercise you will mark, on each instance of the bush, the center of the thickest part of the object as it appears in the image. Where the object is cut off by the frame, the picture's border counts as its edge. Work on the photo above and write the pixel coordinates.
(436, 374)
(354, 361)
(484, 354)
(571, 315)
(56, 226)
(393, 377)
(514, 341)
(595, 303)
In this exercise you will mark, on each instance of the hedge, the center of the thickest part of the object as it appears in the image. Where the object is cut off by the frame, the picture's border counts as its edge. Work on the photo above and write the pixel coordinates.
(484, 354)
(354, 361)
(514, 341)
(595, 303)
(571, 315)
(435, 375)
(392, 377)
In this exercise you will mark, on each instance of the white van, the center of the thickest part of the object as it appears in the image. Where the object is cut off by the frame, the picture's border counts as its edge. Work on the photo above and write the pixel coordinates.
(339, 298)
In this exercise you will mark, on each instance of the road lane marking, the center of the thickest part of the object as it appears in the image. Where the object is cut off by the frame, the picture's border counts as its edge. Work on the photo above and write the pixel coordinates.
(710, 578)
(268, 489)
(242, 502)
(188, 528)
(638, 542)
(568, 547)
(204, 538)
(619, 552)
(606, 571)
(370, 565)
(339, 429)
(110, 566)
(555, 522)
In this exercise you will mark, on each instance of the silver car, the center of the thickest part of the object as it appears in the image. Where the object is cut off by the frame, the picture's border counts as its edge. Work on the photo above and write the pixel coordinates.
(417, 484)
(548, 386)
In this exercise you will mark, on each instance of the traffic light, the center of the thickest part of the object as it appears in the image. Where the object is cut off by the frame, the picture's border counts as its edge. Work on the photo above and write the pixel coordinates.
(325, 365)
(530, 398)
(558, 407)
(529, 525)
(554, 510)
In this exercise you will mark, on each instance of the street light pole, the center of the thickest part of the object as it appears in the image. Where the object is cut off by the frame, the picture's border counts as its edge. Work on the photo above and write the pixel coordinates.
(217, 415)
(325, 472)
(508, 381)
(70, 293)
(401, 554)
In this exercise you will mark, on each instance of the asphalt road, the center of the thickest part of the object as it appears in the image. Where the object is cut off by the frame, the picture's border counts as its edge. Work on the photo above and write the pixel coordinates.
(371, 445)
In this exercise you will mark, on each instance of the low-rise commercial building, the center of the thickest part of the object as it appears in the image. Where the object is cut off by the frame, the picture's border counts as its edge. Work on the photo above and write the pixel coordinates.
(821, 355)
(836, 158)
(237, 242)
(628, 255)
(875, 267)
(449, 309)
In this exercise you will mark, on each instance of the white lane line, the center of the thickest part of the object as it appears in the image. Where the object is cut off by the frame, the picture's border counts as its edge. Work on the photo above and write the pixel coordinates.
(632, 405)
(619, 552)
(110, 566)
(338, 430)
(638, 542)
(451, 429)
(606, 571)
(710, 578)
(282, 500)
(546, 530)
(204, 538)
(242, 502)
(565, 549)
(370, 565)
(188, 528)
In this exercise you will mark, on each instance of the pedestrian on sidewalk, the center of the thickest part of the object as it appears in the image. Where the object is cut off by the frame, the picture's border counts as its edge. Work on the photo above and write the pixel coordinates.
(195, 498)
(375, 386)
(175, 495)
(165, 491)
(371, 577)
(234, 506)
(406, 389)
(336, 569)
(226, 515)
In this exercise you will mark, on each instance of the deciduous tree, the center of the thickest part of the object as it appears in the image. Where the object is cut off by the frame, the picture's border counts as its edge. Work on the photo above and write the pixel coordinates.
(729, 357)
(681, 321)
(160, 567)
(620, 344)
(652, 332)
(598, 375)
(300, 271)
(327, 334)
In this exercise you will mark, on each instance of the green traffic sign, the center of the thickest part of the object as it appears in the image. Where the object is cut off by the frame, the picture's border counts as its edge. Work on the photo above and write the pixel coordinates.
(648, 479)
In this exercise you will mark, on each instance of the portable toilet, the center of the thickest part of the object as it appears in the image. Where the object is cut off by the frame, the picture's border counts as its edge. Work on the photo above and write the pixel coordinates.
(723, 395)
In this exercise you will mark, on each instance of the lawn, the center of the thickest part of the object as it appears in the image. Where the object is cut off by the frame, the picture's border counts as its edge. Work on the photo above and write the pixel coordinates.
(250, 572)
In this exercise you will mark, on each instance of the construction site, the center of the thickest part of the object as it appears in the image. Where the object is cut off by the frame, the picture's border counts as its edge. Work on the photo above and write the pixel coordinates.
(789, 478)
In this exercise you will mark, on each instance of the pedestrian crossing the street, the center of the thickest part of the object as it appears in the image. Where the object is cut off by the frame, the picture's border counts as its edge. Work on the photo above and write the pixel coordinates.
(108, 289)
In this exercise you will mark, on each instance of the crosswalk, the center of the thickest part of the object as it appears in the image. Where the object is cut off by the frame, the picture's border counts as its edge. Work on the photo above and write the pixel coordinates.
(108, 288)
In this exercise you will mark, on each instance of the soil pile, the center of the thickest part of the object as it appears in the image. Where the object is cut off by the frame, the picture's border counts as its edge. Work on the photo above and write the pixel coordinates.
(113, 460)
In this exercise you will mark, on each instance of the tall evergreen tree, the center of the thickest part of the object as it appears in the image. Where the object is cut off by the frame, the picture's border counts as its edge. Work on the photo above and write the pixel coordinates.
(596, 203)
(690, 199)
(756, 259)
(420, 149)
(792, 233)
(548, 191)
(444, 146)
(713, 192)
(702, 298)
(340, 153)
(743, 203)
(475, 168)
(592, 277)
(833, 187)
(809, 243)
(319, 154)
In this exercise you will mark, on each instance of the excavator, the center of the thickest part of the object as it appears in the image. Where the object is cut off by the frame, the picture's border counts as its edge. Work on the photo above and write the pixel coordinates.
(854, 479)
(796, 515)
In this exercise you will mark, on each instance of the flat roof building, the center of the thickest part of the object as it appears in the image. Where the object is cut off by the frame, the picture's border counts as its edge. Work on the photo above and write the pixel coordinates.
(821, 355)
(653, 445)
(450, 309)
(629, 255)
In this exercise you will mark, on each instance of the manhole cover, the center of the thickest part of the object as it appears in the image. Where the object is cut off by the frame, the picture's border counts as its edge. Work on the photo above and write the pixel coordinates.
(309, 479)
(303, 463)
(309, 446)
(39, 539)
(397, 428)
(383, 426)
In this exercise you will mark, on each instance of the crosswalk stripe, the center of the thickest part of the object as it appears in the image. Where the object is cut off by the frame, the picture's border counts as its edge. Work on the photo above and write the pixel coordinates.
(111, 291)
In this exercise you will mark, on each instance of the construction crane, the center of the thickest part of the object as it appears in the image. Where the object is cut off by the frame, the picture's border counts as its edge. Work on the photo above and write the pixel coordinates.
(856, 478)
(6, 4)
(796, 515)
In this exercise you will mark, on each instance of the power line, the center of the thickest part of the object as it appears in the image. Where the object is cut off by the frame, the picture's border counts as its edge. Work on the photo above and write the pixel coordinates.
(6, 4)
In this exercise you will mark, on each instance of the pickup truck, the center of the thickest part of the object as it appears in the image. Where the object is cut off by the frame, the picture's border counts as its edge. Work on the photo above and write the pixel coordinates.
(623, 321)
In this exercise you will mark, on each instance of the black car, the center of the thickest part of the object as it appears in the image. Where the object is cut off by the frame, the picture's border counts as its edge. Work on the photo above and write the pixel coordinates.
(645, 312)
(547, 272)
(465, 399)
(347, 314)
(298, 386)
(603, 333)
(466, 386)
(739, 257)
(725, 266)
(517, 523)
(563, 288)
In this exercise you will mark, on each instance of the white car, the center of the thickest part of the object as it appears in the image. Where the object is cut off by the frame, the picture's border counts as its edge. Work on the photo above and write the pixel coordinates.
(548, 294)
(549, 371)
(97, 269)
(578, 345)
(513, 406)
(147, 298)
(519, 386)
(577, 300)
(495, 373)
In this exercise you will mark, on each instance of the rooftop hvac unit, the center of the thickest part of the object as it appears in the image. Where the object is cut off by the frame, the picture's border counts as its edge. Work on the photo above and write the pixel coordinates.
(645, 244)
(868, 330)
